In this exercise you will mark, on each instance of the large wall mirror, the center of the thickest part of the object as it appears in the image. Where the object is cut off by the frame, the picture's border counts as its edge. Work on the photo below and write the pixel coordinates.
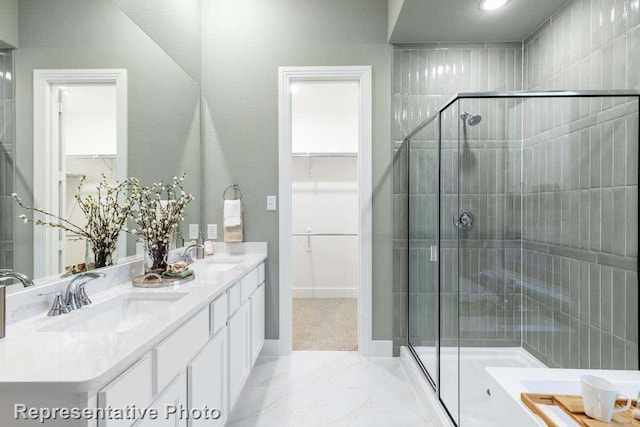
(93, 88)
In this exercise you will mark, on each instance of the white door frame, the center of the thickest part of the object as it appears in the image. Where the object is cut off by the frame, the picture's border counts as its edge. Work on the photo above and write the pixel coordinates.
(288, 75)
(44, 157)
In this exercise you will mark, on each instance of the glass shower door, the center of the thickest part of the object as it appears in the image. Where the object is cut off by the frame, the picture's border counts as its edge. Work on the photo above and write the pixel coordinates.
(423, 235)
(449, 207)
(490, 156)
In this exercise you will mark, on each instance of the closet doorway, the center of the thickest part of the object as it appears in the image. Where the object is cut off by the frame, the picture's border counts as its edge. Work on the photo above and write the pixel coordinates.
(325, 205)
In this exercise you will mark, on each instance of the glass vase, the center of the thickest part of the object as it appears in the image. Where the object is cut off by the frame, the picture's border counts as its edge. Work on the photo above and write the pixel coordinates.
(103, 254)
(156, 257)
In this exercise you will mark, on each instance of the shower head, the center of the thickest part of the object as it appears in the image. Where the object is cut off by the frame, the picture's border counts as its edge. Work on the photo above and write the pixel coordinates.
(471, 119)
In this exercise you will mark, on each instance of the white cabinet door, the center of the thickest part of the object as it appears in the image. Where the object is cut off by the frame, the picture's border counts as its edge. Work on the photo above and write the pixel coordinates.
(257, 323)
(133, 387)
(239, 328)
(175, 396)
(207, 381)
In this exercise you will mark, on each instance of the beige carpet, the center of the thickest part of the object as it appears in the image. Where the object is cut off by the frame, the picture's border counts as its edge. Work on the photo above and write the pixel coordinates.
(325, 324)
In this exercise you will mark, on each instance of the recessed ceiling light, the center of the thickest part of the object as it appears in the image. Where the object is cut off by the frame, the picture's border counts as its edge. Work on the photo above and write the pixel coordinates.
(490, 5)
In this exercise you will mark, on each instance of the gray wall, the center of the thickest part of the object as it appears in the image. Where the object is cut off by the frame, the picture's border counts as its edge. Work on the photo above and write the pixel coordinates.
(174, 25)
(244, 43)
(8, 24)
(424, 78)
(163, 100)
(581, 225)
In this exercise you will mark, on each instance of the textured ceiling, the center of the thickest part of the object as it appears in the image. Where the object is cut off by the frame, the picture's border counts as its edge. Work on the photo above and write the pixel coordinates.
(426, 21)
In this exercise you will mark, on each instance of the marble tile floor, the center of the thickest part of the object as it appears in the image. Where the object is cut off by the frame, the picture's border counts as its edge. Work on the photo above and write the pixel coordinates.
(328, 388)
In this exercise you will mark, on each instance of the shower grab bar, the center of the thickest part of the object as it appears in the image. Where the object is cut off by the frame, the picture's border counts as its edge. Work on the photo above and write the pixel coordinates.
(523, 94)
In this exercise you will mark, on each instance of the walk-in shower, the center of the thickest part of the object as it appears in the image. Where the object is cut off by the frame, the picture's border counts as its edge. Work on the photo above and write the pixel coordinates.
(523, 238)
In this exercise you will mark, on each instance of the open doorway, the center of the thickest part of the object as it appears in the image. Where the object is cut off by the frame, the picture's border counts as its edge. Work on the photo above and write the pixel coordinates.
(80, 120)
(324, 142)
(325, 209)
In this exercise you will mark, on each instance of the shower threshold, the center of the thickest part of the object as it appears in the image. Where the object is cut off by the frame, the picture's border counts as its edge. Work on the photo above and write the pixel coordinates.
(474, 381)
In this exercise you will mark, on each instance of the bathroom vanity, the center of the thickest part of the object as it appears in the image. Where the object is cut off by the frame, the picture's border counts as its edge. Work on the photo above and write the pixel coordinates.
(189, 346)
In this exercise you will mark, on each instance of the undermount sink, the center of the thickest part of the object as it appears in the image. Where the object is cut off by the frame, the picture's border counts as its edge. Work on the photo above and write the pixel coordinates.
(117, 315)
(221, 264)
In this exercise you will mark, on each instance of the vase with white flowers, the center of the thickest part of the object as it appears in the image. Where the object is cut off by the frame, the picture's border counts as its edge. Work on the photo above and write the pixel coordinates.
(106, 212)
(158, 210)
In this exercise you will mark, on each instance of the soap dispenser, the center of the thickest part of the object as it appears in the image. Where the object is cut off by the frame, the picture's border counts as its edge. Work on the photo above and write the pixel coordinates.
(200, 247)
(179, 240)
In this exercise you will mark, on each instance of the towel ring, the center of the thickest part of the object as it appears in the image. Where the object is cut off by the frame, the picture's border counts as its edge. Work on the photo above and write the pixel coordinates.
(235, 187)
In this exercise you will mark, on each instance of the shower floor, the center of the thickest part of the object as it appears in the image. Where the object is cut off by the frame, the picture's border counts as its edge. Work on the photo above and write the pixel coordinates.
(473, 379)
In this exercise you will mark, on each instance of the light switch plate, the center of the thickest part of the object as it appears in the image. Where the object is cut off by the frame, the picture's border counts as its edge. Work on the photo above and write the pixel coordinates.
(271, 203)
(193, 231)
(212, 231)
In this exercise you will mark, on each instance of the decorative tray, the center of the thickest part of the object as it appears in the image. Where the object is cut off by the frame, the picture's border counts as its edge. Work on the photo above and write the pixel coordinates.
(572, 406)
(154, 280)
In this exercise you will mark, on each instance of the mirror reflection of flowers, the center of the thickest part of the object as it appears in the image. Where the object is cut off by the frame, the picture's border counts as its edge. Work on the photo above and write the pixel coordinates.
(106, 212)
(158, 211)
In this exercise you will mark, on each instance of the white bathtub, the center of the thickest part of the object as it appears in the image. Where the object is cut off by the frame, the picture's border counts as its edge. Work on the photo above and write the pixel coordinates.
(508, 383)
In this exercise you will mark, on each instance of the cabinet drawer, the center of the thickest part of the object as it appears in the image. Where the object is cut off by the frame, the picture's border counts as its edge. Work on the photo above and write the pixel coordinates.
(234, 298)
(261, 273)
(248, 284)
(219, 314)
(133, 387)
(175, 352)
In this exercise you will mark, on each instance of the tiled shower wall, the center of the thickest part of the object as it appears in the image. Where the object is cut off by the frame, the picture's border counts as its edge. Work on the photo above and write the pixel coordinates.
(425, 78)
(6, 159)
(580, 194)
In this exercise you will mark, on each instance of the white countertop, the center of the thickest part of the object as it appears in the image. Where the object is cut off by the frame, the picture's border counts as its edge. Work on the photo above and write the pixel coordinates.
(31, 359)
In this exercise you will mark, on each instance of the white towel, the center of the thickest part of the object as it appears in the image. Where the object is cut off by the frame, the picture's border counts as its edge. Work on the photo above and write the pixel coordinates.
(232, 213)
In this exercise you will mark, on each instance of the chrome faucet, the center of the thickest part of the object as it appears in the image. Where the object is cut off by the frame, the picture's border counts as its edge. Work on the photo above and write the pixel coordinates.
(75, 296)
(186, 257)
(10, 274)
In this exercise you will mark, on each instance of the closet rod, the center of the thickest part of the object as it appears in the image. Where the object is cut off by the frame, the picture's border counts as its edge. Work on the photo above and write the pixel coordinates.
(323, 234)
(324, 154)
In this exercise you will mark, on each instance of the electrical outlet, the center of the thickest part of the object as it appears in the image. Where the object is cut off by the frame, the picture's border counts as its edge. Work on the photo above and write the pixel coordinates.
(193, 231)
(212, 231)
(271, 203)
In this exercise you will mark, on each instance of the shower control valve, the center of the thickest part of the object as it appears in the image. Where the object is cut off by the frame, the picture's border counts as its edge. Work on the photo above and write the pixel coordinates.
(464, 219)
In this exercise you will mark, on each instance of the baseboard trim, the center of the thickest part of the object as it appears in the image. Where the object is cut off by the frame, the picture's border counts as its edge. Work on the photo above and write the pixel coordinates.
(325, 292)
(434, 410)
(271, 348)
